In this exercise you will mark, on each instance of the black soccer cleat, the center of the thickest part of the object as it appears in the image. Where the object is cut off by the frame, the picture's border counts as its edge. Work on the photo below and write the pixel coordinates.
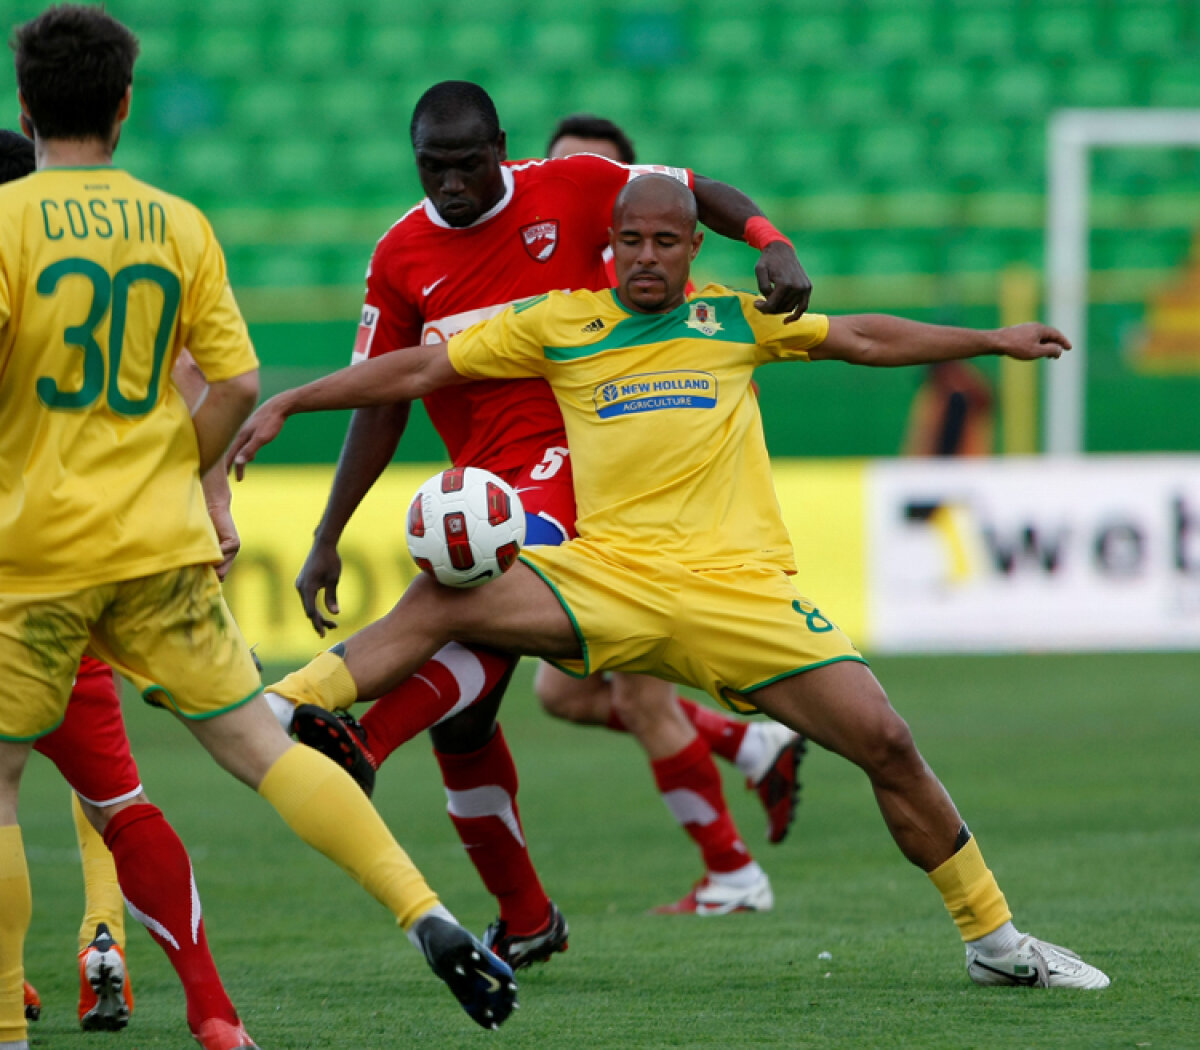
(520, 952)
(337, 735)
(481, 981)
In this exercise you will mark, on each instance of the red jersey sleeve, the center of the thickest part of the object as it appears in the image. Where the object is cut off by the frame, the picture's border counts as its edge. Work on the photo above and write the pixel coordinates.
(389, 319)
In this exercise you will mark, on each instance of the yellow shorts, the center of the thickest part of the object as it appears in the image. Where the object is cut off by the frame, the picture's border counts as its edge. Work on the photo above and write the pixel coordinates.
(171, 633)
(726, 631)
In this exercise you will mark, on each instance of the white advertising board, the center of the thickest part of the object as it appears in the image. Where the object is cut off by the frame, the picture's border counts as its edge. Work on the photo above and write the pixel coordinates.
(1092, 553)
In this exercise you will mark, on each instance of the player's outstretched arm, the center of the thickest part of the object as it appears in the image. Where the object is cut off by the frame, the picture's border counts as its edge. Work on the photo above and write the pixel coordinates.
(405, 375)
(784, 285)
(883, 341)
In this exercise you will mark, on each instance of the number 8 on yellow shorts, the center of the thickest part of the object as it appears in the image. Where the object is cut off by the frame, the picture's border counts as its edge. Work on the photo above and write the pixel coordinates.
(726, 631)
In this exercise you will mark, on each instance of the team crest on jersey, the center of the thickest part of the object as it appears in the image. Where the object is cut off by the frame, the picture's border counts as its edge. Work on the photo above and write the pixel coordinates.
(703, 318)
(540, 239)
(365, 334)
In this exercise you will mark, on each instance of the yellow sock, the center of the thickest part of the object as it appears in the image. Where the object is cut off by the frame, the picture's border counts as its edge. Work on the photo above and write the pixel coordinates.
(972, 896)
(323, 805)
(324, 681)
(16, 909)
(102, 898)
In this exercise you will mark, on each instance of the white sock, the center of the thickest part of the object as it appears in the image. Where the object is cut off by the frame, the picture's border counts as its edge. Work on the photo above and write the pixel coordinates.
(281, 708)
(438, 911)
(1001, 940)
(742, 879)
(762, 742)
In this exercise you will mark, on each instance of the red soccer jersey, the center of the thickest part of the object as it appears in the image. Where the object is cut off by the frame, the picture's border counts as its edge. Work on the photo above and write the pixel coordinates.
(428, 280)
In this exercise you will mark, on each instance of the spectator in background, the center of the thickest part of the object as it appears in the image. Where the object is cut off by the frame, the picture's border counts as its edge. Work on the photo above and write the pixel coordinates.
(951, 413)
(586, 133)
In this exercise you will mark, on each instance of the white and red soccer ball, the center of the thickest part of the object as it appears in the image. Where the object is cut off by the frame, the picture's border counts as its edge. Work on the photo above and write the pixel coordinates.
(465, 526)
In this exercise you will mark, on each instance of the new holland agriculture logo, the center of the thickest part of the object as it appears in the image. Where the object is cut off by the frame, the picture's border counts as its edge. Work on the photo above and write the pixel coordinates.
(655, 391)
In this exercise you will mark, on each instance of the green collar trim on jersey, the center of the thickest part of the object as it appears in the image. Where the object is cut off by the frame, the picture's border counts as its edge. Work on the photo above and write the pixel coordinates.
(729, 325)
(81, 167)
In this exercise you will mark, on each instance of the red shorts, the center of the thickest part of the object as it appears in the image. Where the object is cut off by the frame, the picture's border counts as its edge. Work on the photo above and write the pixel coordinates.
(546, 487)
(90, 746)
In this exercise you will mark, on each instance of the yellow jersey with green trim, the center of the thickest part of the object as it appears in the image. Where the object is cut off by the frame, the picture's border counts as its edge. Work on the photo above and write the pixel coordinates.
(666, 440)
(103, 279)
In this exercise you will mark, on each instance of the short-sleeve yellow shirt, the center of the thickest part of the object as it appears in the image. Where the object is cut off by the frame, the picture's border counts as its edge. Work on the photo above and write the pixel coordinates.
(666, 439)
(103, 279)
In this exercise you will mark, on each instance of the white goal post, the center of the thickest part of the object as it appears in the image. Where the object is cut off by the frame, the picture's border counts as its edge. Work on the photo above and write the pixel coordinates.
(1072, 135)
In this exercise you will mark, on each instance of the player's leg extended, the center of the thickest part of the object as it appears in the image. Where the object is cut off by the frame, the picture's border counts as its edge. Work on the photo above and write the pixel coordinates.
(517, 613)
(481, 784)
(16, 899)
(766, 753)
(842, 707)
(690, 786)
(174, 630)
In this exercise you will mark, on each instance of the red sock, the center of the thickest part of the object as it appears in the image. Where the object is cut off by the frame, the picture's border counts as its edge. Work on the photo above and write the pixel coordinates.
(723, 733)
(481, 794)
(453, 679)
(156, 879)
(691, 787)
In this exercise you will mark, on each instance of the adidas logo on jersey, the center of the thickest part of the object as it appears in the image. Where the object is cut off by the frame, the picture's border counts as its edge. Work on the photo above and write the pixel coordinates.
(593, 326)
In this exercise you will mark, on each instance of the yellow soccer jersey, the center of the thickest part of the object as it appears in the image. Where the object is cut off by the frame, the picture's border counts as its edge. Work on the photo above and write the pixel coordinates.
(666, 440)
(102, 280)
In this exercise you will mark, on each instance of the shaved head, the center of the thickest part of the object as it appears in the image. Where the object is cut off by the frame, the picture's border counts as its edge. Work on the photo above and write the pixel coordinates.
(659, 194)
(654, 240)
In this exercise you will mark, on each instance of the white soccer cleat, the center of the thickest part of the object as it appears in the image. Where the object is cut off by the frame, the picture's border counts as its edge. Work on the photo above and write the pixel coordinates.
(714, 898)
(1034, 964)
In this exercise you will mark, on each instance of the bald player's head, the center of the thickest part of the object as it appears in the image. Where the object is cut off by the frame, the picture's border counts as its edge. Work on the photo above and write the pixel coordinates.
(654, 240)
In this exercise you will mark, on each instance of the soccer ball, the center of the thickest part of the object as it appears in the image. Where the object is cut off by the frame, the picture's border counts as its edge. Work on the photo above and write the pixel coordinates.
(465, 527)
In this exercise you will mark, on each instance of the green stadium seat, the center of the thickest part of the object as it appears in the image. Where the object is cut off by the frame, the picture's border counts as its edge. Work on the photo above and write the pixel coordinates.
(225, 50)
(693, 97)
(859, 93)
(769, 101)
(207, 164)
(1175, 83)
(1138, 249)
(474, 45)
(162, 51)
(1068, 30)
(979, 150)
(941, 88)
(807, 162)
(1152, 29)
(526, 109)
(891, 252)
(563, 45)
(297, 266)
(615, 96)
(889, 154)
(141, 14)
(264, 105)
(1097, 83)
(378, 165)
(900, 32)
(296, 168)
(310, 49)
(729, 42)
(727, 155)
(816, 38)
(987, 32)
(355, 105)
(395, 48)
(1017, 90)
(980, 251)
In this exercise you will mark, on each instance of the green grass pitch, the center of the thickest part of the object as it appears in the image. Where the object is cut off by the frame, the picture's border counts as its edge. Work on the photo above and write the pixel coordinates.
(1080, 775)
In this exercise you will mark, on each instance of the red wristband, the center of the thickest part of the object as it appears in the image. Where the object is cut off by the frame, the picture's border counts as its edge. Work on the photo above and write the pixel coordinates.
(758, 233)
